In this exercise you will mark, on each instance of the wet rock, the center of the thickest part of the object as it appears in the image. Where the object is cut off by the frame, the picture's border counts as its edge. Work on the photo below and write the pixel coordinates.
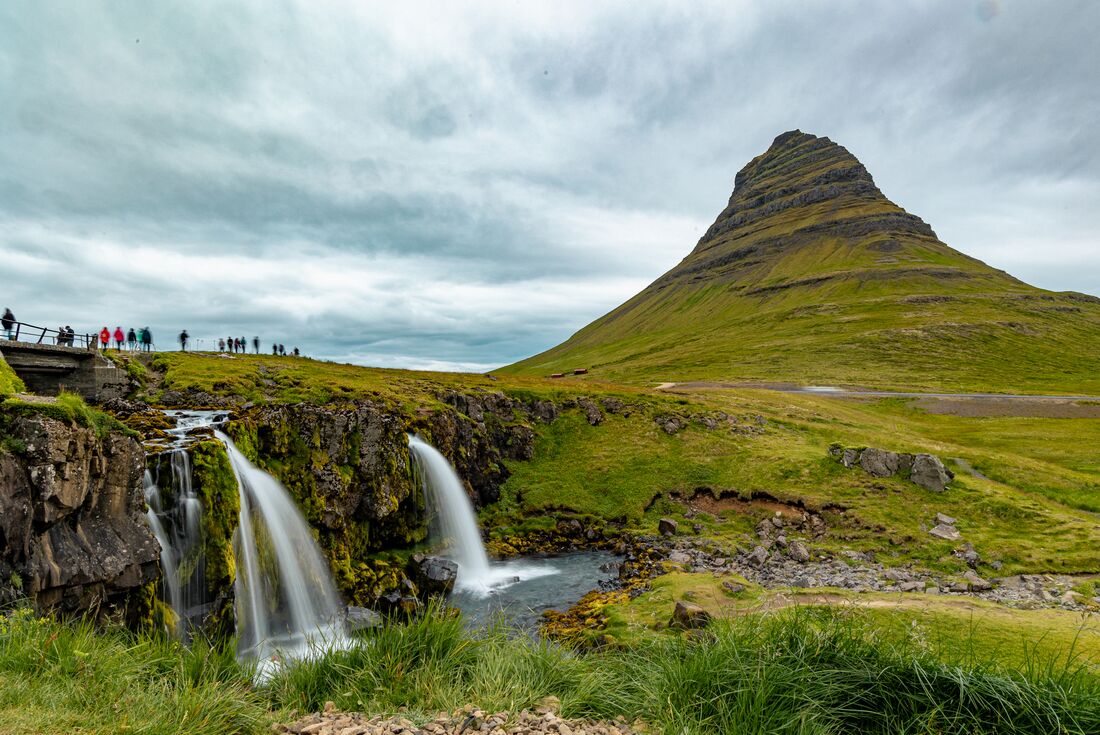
(667, 527)
(361, 618)
(689, 616)
(947, 533)
(397, 604)
(930, 473)
(433, 575)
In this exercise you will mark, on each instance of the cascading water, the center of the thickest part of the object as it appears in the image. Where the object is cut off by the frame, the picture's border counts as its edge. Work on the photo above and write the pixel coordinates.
(286, 601)
(177, 525)
(456, 525)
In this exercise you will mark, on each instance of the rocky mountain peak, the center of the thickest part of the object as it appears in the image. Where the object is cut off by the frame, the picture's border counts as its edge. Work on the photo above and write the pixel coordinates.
(799, 170)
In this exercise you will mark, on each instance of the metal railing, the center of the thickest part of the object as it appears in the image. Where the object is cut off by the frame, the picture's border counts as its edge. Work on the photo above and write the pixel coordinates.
(33, 334)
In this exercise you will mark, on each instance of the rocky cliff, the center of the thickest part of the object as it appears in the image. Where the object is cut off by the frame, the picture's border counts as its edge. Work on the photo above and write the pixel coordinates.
(72, 532)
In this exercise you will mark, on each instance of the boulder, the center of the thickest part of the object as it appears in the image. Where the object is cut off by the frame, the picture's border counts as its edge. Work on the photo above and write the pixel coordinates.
(879, 462)
(679, 557)
(929, 472)
(798, 552)
(915, 586)
(946, 532)
(433, 575)
(977, 584)
(689, 616)
(849, 458)
(361, 618)
(759, 556)
(667, 527)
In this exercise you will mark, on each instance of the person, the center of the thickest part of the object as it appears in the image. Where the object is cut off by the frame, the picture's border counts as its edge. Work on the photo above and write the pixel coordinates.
(7, 322)
(229, 344)
(120, 336)
(221, 344)
(146, 339)
(131, 339)
(296, 353)
(274, 349)
(104, 338)
(256, 344)
(282, 349)
(70, 335)
(184, 336)
(61, 336)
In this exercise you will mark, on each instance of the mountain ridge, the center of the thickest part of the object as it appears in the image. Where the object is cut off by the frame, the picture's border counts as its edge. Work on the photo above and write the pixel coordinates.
(809, 255)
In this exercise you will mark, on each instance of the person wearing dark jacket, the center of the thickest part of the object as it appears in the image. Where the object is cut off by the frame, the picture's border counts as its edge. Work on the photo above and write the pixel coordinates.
(184, 336)
(131, 339)
(7, 322)
(146, 340)
(256, 344)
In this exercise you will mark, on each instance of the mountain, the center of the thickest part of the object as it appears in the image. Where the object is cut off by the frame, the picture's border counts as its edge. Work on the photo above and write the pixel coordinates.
(811, 275)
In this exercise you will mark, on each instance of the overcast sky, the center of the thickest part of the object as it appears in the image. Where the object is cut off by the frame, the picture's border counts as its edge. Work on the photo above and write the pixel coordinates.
(460, 185)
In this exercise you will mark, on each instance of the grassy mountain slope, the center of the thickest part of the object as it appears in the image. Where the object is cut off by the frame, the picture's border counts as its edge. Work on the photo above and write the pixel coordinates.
(812, 276)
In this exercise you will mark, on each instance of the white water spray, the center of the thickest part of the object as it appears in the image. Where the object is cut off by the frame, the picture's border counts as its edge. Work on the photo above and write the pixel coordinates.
(457, 526)
(286, 601)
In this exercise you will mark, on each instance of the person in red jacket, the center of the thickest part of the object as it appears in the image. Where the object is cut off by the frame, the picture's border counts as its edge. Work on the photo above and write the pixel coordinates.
(120, 337)
(105, 338)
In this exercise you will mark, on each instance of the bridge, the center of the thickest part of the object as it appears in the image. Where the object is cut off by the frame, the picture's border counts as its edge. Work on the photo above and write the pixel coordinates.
(51, 364)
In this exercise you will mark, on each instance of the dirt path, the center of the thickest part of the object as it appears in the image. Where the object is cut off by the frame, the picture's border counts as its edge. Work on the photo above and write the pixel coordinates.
(955, 404)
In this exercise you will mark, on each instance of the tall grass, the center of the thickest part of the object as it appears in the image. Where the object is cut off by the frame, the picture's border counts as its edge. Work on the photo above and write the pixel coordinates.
(796, 672)
(799, 672)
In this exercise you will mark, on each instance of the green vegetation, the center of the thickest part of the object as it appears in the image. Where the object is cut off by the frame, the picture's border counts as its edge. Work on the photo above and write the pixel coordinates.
(9, 381)
(795, 671)
(68, 408)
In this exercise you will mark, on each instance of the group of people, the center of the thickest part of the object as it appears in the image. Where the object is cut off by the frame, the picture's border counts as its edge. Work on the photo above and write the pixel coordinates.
(281, 350)
(238, 344)
(135, 339)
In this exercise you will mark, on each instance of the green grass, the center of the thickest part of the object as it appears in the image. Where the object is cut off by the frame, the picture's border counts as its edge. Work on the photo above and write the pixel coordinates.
(796, 671)
(9, 381)
(68, 677)
(68, 408)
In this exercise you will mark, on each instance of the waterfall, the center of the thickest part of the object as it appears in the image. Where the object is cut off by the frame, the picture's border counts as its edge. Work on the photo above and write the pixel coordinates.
(286, 600)
(169, 573)
(177, 526)
(456, 525)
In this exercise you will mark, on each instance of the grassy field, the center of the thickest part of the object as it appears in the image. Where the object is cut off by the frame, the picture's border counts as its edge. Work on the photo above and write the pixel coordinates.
(800, 671)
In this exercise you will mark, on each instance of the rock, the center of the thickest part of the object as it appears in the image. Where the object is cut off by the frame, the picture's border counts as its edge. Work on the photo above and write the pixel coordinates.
(798, 552)
(689, 616)
(361, 618)
(396, 603)
(592, 412)
(759, 556)
(433, 575)
(977, 584)
(895, 575)
(72, 519)
(930, 473)
(667, 527)
(679, 557)
(669, 424)
(944, 520)
(849, 458)
(733, 588)
(878, 462)
(914, 586)
(947, 533)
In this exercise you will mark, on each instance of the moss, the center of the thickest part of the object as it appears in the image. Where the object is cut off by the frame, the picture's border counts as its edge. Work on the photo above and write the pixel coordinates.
(71, 409)
(217, 489)
(9, 381)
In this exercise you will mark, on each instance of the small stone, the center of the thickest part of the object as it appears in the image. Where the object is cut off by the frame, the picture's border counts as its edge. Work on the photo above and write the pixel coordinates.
(911, 586)
(946, 532)
(733, 588)
(330, 707)
(945, 519)
(977, 584)
(689, 616)
(667, 527)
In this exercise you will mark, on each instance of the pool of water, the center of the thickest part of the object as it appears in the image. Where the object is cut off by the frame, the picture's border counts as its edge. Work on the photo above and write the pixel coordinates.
(561, 581)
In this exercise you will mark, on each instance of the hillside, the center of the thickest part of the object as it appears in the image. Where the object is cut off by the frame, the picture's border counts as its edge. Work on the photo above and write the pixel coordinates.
(811, 275)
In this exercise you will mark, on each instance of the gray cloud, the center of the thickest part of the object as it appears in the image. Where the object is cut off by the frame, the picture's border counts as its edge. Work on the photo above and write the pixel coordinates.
(464, 185)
